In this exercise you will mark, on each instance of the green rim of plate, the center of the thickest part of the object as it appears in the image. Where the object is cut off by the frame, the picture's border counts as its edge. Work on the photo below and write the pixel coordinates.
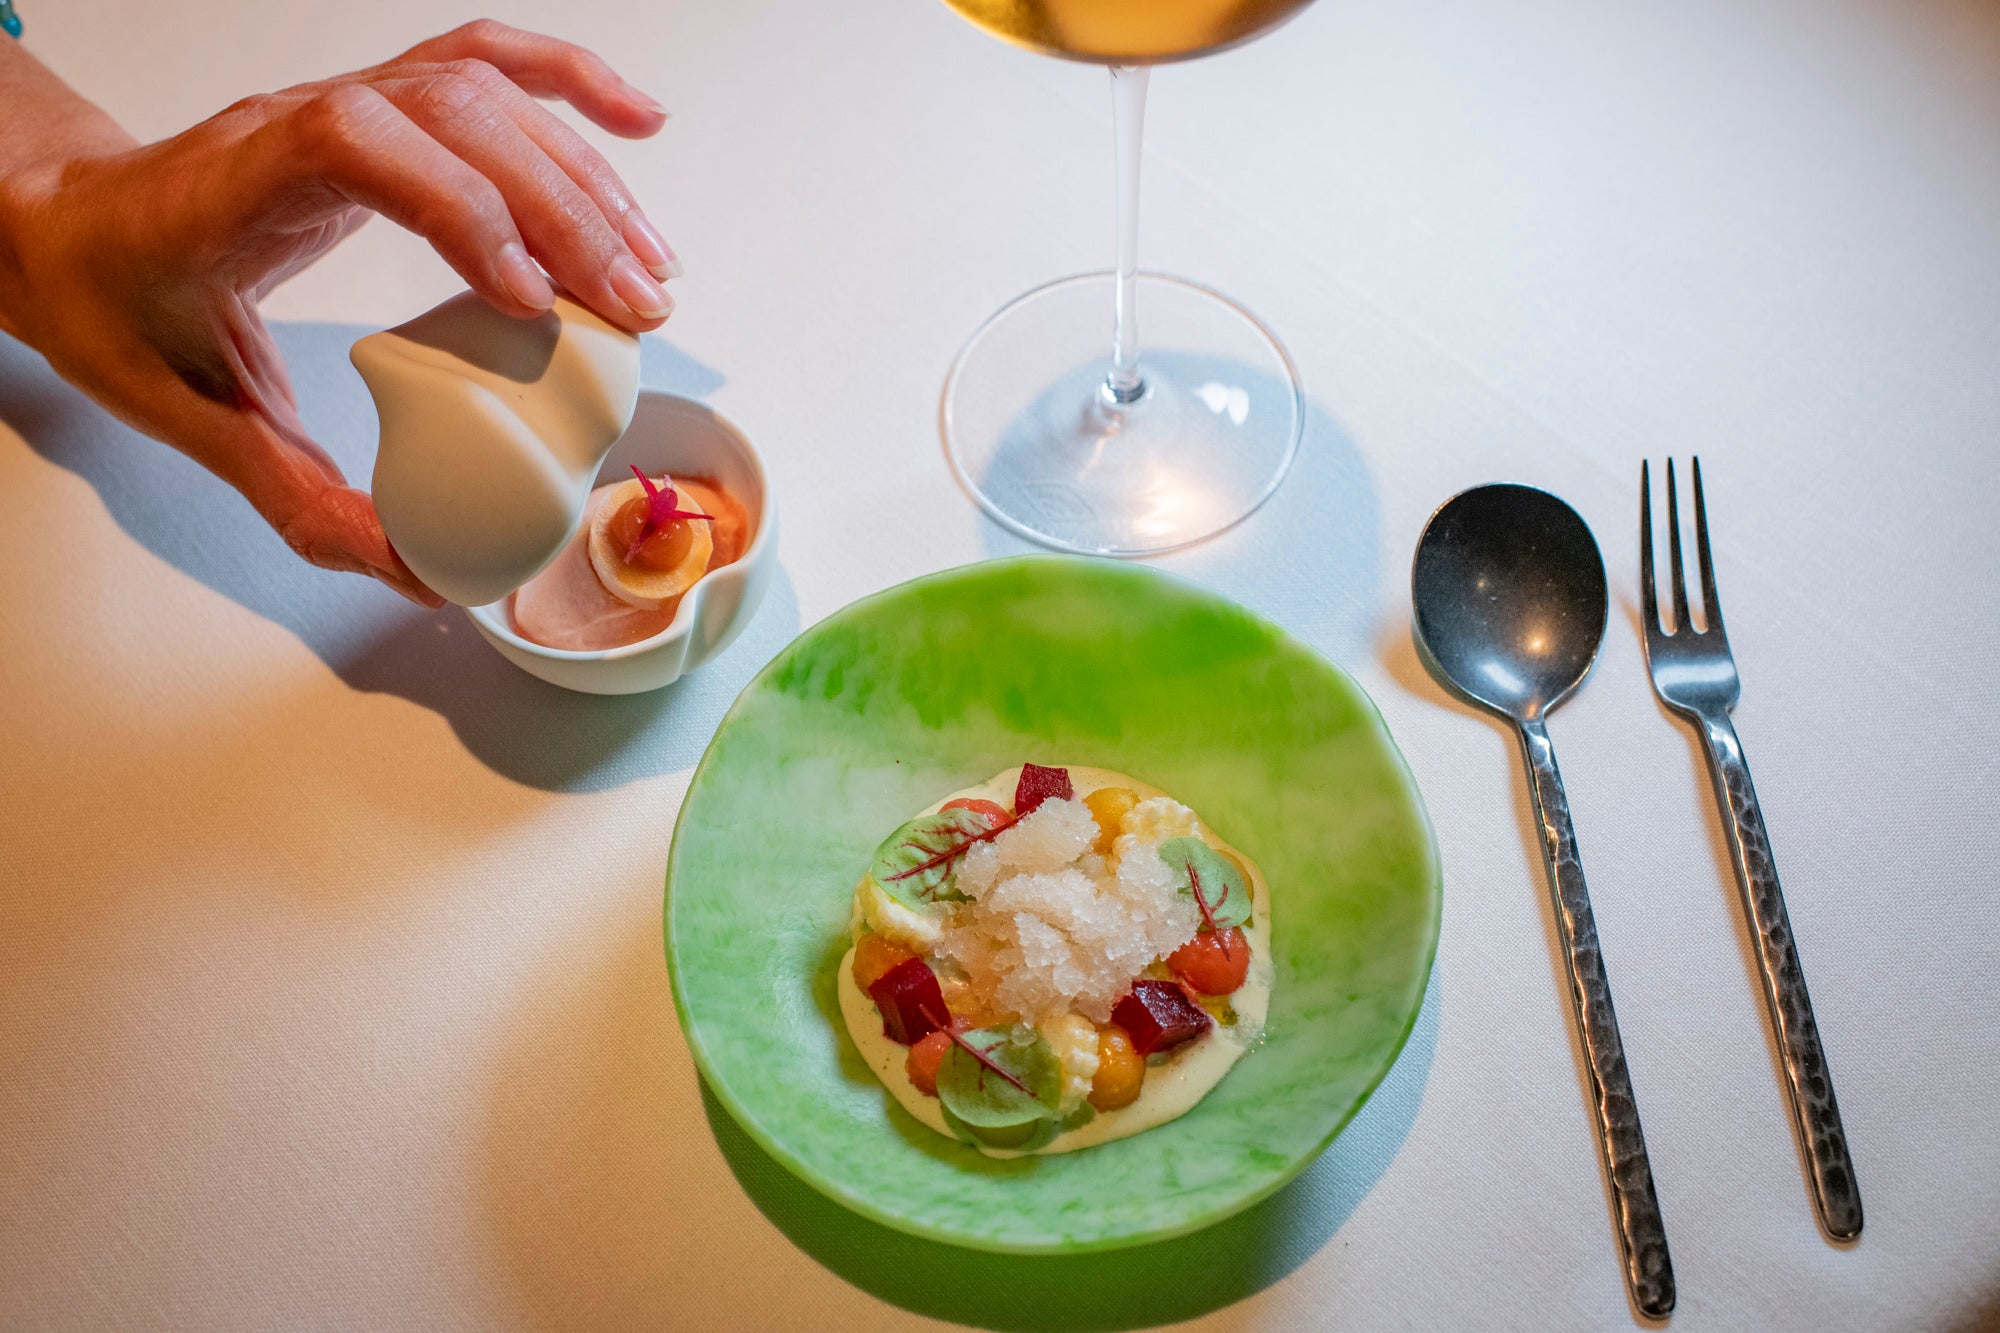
(941, 682)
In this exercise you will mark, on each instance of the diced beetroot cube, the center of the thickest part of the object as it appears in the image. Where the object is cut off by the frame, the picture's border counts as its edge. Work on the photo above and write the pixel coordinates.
(1159, 1015)
(1040, 784)
(911, 1003)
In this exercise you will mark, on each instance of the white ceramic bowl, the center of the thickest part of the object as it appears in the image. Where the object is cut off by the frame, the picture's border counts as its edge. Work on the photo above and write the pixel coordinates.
(669, 434)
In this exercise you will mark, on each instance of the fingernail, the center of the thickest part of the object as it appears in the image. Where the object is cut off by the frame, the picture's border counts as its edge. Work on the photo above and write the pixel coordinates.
(651, 247)
(523, 279)
(647, 298)
(646, 102)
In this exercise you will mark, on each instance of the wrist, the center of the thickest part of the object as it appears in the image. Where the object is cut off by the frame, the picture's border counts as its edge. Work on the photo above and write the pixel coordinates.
(26, 195)
(54, 131)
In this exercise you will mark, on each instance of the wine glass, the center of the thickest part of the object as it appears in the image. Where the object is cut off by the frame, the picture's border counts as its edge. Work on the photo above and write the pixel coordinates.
(1134, 455)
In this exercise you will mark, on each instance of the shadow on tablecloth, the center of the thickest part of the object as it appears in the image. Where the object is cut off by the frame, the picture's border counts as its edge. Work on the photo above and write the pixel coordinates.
(372, 639)
(1162, 1283)
(611, 1205)
(1308, 558)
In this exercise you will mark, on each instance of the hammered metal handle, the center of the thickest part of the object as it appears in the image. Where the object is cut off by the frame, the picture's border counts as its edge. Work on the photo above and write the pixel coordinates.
(1642, 1236)
(1817, 1114)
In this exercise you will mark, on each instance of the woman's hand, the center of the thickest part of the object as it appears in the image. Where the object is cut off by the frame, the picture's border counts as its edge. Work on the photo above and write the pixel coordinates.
(137, 270)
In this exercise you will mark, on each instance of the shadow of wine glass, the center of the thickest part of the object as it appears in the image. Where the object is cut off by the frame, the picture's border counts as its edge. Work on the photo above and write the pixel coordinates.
(1307, 558)
(1162, 1283)
(372, 639)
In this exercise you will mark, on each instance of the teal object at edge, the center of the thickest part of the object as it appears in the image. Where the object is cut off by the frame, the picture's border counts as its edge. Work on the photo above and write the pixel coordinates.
(889, 703)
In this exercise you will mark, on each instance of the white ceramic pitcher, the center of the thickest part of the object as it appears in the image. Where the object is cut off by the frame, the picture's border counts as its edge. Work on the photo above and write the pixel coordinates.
(492, 432)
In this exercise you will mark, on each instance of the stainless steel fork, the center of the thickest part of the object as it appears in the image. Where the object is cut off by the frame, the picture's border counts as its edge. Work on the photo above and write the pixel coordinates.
(1695, 675)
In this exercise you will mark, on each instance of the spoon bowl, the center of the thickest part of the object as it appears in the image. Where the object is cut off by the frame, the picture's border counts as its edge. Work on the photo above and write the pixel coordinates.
(1510, 598)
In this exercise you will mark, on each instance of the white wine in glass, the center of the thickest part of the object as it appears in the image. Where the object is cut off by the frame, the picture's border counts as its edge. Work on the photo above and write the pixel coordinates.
(1121, 454)
(1127, 32)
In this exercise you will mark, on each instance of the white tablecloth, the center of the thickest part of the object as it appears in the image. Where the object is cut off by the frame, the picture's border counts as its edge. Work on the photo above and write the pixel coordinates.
(331, 987)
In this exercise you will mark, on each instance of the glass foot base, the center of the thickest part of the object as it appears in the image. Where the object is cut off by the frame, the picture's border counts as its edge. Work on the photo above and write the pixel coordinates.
(1035, 435)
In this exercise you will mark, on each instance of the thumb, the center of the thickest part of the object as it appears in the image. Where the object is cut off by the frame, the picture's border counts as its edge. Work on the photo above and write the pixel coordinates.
(287, 475)
(299, 489)
(336, 527)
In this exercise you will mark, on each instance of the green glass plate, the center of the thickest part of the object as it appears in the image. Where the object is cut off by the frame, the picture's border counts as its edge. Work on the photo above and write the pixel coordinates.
(878, 710)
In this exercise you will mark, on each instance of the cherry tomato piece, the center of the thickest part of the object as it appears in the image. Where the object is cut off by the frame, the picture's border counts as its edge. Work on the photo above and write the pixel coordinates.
(993, 812)
(664, 550)
(924, 1059)
(1213, 962)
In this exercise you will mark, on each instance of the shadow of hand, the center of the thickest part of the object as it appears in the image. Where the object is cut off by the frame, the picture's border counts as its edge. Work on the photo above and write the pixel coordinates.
(372, 639)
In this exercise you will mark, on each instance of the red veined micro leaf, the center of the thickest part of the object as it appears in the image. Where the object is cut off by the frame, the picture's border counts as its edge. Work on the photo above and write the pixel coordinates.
(1159, 1015)
(998, 1077)
(1216, 885)
(918, 863)
(910, 1000)
(1040, 784)
(979, 1053)
(662, 508)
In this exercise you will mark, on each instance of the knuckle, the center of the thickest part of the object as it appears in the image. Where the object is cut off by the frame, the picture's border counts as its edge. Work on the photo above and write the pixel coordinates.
(297, 536)
(476, 205)
(581, 65)
(340, 117)
(604, 188)
(447, 96)
(473, 70)
(260, 106)
(484, 32)
(586, 220)
(305, 529)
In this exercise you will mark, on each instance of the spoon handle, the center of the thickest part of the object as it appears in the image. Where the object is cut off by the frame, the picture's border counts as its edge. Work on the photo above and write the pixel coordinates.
(1649, 1273)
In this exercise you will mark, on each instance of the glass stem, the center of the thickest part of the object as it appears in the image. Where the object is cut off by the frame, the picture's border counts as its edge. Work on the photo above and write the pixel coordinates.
(1128, 118)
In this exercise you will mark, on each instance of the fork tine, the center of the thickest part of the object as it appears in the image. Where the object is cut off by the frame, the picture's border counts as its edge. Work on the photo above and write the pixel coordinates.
(1681, 625)
(1711, 607)
(1648, 600)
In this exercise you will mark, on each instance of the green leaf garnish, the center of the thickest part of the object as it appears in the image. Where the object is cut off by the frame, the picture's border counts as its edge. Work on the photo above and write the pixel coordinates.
(1000, 1077)
(1215, 884)
(1015, 1138)
(918, 863)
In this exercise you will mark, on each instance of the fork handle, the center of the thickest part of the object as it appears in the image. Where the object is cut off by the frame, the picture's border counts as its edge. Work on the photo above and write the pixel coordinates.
(1642, 1236)
(1809, 1085)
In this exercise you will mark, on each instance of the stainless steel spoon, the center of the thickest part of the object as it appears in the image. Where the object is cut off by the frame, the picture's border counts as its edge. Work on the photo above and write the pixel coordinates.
(1510, 601)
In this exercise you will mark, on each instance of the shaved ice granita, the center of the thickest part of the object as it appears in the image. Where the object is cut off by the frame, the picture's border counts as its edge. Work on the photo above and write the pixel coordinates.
(1054, 959)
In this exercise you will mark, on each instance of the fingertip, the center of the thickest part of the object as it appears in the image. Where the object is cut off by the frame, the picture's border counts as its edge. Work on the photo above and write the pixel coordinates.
(646, 104)
(403, 579)
(651, 248)
(417, 593)
(523, 279)
(637, 116)
(396, 572)
(637, 128)
(640, 291)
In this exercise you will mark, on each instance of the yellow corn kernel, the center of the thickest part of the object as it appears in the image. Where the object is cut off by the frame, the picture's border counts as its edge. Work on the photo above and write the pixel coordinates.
(1121, 1070)
(1108, 806)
